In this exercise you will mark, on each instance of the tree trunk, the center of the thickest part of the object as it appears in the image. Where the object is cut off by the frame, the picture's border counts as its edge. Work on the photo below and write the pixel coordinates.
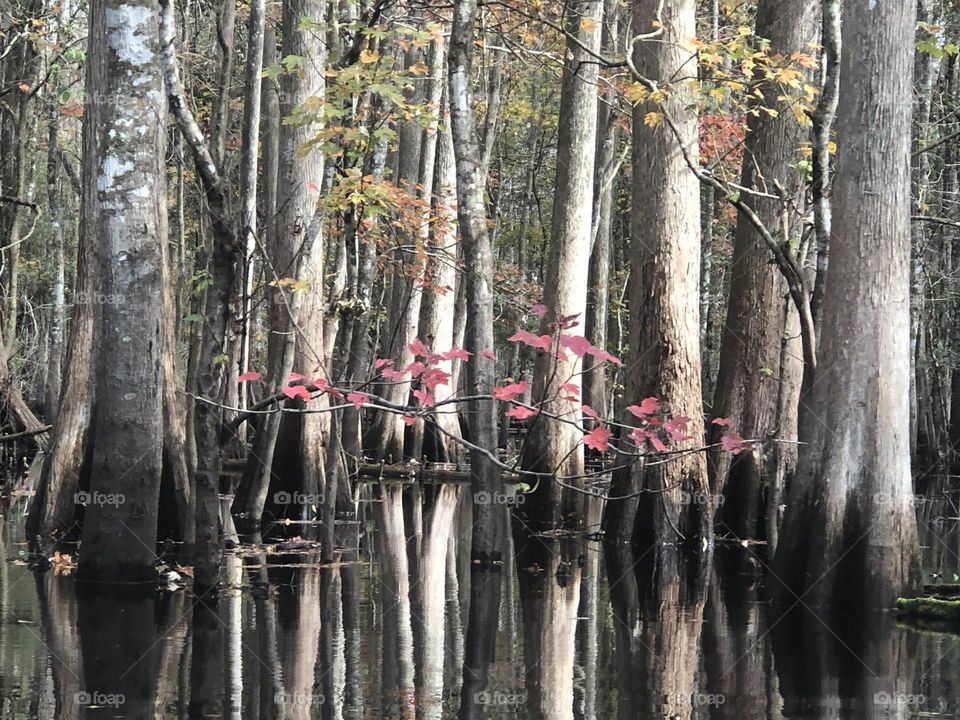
(850, 534)
(291, 451)
(129, 224)
(749, 382)
(664, 359)
(489, 520)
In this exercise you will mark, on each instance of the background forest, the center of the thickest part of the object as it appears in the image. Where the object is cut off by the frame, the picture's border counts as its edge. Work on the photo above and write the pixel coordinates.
(665, 272)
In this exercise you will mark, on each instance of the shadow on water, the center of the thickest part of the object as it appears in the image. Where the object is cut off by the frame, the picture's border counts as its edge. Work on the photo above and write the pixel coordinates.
(378, 632)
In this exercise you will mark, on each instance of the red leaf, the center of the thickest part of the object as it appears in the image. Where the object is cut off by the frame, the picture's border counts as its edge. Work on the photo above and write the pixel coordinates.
(457, 354)
(598, 438)
(296, 391)
(321, 383)
(418, 348)
(571, 388)
(539, 310)
(648, 406)
(435, 377)
(733, 443)
(568, 321)
(294, 377)
(590, 412)
(508, 392)
(416, 368)
(657, 443)
(542, 342)
(409, 420)
(520, 412)
(603, 356)
(382, 363)
(358, 399)
(488, 355)
(723, 422)
(676, 426)
(391, 374)
(247, 376)
(577, 344)
(425, 398)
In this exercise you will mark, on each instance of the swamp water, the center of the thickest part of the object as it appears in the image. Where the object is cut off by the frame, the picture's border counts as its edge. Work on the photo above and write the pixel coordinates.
(290, 638)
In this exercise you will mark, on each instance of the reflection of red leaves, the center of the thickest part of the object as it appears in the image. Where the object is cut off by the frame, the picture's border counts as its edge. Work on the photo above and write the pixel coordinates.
(598, 438)
(647, 406)
(247, 376)
(418, 348)
(520, 412)
(296, 391)
(508, 392)
(357, 399)
(733, 443)
(541, 342)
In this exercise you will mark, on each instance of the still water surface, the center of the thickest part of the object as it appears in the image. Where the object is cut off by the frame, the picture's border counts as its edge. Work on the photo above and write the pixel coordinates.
(290, 638)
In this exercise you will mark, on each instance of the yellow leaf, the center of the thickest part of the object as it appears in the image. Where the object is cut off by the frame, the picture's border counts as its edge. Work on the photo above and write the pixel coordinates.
(652, 119)
(369, 56)
(636, 93)
(589, 25)
(419, 68)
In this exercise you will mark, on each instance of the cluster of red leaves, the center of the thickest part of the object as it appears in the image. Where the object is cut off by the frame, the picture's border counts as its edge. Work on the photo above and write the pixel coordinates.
(655, 428)
(721, 138)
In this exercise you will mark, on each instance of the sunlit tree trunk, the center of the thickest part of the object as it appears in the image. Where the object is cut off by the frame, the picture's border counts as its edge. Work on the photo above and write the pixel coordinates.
(849, 535)
(664, 358)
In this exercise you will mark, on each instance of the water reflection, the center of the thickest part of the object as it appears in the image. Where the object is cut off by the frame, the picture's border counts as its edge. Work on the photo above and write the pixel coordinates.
(375, 629)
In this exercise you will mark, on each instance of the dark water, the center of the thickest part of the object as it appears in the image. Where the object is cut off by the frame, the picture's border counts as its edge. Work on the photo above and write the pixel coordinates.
(290, 638)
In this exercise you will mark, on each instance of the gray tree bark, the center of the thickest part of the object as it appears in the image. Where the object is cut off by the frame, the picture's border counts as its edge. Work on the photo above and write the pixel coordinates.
(849, 535)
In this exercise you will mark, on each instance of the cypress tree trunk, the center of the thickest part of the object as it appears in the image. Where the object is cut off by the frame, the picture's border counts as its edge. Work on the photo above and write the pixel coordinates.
(849, 535)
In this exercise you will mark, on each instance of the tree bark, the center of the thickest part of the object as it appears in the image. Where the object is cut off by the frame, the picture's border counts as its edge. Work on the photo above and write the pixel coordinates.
(489, 520)
(849, 535)
(664, 359)
(129, 224)
(749, 379)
